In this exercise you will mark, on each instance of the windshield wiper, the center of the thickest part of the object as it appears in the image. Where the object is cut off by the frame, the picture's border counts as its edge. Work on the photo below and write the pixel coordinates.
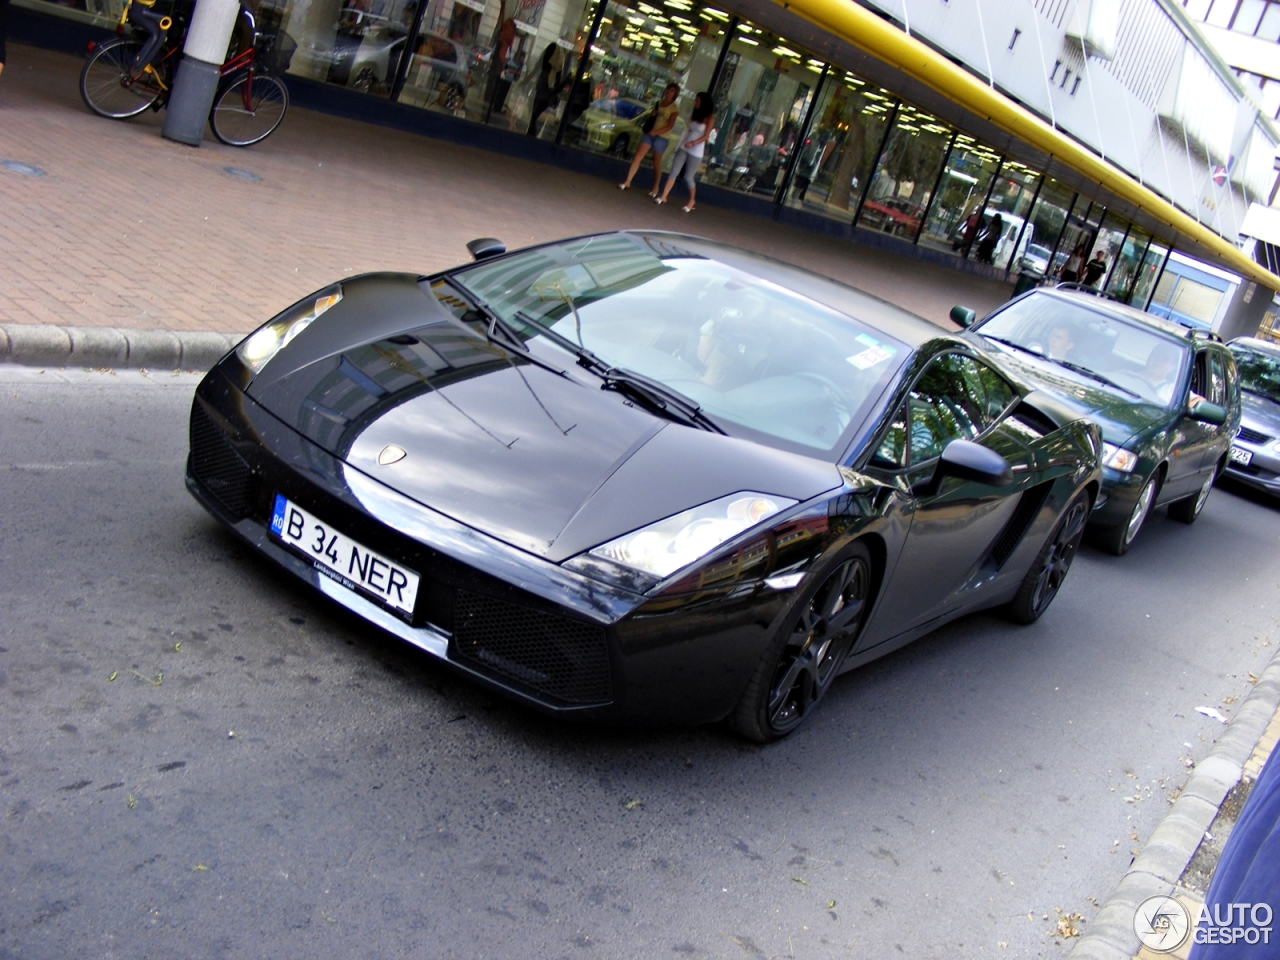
(656, 396)
(1010, 343)
(1093, 374)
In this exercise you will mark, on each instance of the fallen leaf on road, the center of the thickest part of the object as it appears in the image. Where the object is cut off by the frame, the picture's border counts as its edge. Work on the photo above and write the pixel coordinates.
(798, 880)
(130, 801)
(1211, 713)
(632, 804)
(199, 868)
(1253, 677)
(1229, 700)
(155, 683)
(114, 674)
(327, 918)
(177, 647)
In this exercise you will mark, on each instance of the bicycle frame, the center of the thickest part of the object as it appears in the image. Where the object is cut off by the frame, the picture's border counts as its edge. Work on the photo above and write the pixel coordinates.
(241, 61)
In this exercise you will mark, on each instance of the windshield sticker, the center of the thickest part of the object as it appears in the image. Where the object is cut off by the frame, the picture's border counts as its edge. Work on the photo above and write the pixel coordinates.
(869, 357)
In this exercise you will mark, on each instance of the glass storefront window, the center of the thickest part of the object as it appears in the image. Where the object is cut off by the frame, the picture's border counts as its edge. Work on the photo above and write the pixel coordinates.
(1128, 262)
(954, 216)
(640, 49)
(1010, 201)
(836, 157)
(1046, 223)
(1077, 240)
(1147, 273)
(1108, 241)
(761, 98)
(905, 175)
(353, 43)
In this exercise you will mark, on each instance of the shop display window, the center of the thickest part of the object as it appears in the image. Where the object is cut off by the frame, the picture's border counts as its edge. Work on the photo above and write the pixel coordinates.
(762, 96)
(1077, 240)
(1152, 263)
(1107, 242)
(1042, 254)
(956, 213)
(907, 170)
(1002, 238)
(640, 49)
(1128, 262)
(838, 154)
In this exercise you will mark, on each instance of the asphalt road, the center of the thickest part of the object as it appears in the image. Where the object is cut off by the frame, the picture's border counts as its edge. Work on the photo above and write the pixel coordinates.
(265, 776)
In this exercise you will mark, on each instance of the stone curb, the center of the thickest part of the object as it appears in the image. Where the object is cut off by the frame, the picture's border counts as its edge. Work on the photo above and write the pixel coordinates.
(45, 345)
(1175, 840)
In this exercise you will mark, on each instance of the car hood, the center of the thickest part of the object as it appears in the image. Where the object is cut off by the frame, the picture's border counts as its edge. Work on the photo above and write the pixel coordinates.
(1259, 413)
(1119, 415)
(545, 461)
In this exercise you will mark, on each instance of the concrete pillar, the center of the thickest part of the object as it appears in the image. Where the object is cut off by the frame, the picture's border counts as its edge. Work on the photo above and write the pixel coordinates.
(208, 36)
(1245, 311)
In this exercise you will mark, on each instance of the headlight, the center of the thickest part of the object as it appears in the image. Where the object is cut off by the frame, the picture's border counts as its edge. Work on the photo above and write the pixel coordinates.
(1118, 458)
(257, 349)
(664, 547)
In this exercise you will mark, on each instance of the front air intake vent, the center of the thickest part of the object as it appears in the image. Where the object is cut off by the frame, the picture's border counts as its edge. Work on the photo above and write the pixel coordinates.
(218, 467)
(1024, 514)
(1253, 436)
(1036, 419)
(564, 659)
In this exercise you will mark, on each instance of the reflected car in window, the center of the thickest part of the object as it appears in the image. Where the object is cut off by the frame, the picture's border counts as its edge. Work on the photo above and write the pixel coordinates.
(1167, 399)
(610, 125)
(642, 476)
(1254, 457)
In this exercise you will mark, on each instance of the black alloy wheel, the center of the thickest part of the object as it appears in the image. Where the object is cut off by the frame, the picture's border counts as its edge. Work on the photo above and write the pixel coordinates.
(806, 654)
(1047, 574)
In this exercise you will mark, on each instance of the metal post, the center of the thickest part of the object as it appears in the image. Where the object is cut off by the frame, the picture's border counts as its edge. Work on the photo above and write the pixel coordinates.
(937, 184)
(884, 142)
(1062, 232)
(406, 53)
(731, 26)
(1030, 210)
(580, 73)
(805, 124)
(1159, 276)
(199, 71)
(1116, 259)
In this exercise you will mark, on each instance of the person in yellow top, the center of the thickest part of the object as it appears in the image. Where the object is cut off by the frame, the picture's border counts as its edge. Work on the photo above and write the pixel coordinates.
(655, 139)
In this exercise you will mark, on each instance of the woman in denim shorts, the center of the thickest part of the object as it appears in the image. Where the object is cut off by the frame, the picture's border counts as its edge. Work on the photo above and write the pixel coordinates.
(655, 140)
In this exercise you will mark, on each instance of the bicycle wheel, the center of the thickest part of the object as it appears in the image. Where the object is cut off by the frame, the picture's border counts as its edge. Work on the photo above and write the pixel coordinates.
(244, 114)
(110, 88)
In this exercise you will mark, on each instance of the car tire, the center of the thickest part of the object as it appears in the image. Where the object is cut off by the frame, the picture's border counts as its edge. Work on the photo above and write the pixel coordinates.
(1187, 510)
(452, 98)
(1118, 539)
(621, 146)
(1045, 577)
(805, 654)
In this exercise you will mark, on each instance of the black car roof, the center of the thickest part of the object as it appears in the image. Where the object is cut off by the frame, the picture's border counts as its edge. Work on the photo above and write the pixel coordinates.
(903, 325)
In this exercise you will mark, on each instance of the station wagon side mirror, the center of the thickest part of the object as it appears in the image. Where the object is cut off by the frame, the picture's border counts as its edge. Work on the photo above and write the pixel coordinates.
(1207, 412)
(964, 316)
(966, 460)
(483, 248)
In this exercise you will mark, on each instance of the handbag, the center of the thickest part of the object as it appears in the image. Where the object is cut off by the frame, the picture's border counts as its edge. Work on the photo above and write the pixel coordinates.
(646, 126)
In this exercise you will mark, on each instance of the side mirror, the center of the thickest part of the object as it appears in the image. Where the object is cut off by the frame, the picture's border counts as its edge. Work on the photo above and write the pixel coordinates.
(485, 247)
(1207, 412)
(964, 316)
(966, 460)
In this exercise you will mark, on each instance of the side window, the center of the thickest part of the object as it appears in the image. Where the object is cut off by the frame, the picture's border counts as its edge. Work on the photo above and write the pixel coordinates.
(999, 393)
(893, 448)
(944, 406)
(1217, 380)
(1200, 375)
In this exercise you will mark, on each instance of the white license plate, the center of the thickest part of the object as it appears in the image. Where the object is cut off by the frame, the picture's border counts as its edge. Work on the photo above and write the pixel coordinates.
(340, 558)
(1242, 457)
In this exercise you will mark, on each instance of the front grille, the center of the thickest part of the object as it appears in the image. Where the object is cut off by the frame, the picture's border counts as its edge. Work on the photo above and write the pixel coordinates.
(1253, 436)
(562, 658)
(218, 467)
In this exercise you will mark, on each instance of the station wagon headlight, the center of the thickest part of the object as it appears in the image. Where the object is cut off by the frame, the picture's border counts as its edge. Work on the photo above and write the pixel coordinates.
(1118, 458)
(257, 349)
(664, 547)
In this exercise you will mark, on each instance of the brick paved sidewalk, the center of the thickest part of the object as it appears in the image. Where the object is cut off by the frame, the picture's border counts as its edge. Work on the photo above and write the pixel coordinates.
(128, 229)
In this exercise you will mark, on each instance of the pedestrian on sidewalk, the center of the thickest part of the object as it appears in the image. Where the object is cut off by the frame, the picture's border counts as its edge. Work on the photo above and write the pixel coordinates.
(659, 125)
(1094, 269)
(1074, 266)
(690, 149)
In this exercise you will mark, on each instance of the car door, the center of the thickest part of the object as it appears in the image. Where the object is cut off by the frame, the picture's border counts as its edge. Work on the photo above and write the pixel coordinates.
(1193, 441)
(953, 523)
(1223, 390)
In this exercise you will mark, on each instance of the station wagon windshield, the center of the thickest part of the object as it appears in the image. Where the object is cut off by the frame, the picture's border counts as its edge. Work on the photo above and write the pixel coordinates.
(760, 360)
(1115, 353)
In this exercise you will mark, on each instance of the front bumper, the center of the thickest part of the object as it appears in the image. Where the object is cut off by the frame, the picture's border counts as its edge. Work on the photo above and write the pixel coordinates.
(1117, 498)
(523, 626)
(1263, 470)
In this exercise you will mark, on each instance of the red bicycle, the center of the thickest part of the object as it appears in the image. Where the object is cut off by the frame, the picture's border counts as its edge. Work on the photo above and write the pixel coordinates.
(134, 72)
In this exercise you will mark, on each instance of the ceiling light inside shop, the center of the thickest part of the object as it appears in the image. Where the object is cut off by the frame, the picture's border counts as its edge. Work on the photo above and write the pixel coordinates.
(785, 51)
(816, 64)
(748, 40)
(718, 14)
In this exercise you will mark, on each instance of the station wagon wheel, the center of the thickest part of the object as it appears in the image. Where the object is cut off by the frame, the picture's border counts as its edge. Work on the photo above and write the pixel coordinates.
(1187, 510)
(806, 653)
(1119, 538)
(1046, 576)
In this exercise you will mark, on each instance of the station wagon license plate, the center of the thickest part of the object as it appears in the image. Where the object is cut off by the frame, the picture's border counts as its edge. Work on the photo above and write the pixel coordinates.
(1242, 457)
(340, 558)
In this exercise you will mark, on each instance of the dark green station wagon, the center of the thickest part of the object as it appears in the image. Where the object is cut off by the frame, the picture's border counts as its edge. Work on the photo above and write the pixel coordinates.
(1166, 397)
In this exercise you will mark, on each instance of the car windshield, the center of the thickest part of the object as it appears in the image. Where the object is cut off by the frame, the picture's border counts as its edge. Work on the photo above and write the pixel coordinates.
(1259, 372)
(1127, 358)
(762, 361)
